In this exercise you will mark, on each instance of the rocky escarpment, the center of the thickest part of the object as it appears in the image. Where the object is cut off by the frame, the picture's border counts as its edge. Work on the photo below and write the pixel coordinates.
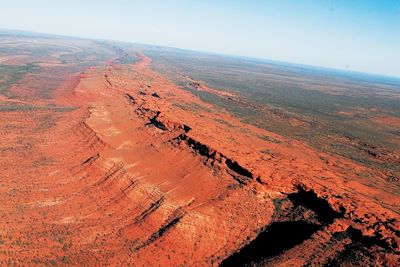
(297, 217)
(305, 223)
(303, 218)
(211, 157)
(145, 174)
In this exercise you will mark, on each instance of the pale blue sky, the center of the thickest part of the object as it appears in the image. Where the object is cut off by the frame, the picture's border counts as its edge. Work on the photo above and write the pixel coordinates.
(362, 35)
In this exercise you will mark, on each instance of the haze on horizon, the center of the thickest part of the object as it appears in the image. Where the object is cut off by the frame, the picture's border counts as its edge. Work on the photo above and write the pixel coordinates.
(359, 35)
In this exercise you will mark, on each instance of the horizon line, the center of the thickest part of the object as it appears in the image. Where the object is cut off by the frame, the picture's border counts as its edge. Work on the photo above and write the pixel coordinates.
(283, 62)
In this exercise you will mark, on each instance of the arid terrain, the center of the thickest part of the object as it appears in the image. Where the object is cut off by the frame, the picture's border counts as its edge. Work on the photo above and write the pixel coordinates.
(118, 154)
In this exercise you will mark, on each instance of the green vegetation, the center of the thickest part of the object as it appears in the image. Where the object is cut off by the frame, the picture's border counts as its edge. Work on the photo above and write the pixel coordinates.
(9, 107)
(10, 74)
(128, 59)
(330, 110)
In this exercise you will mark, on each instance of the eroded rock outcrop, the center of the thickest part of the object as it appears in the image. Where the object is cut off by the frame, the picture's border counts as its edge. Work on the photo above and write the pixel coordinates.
(150, 175)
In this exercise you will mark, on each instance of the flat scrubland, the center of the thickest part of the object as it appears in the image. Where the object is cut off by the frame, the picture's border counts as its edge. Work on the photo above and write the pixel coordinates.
(349, 114)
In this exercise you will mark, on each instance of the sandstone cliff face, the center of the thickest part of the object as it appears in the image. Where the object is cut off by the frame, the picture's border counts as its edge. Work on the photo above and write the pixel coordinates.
(144, 173)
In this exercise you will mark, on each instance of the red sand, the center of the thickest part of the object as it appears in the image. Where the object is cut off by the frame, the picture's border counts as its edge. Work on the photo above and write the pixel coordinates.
(144, 173)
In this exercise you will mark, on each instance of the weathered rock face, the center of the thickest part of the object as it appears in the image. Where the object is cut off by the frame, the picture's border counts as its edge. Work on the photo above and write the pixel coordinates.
(144, 173)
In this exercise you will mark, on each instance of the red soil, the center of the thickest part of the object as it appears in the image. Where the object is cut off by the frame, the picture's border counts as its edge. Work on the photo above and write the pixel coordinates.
(145, 173)
(388, 121)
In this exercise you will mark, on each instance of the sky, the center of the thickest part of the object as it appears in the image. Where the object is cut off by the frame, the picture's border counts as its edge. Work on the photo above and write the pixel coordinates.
(359, 35)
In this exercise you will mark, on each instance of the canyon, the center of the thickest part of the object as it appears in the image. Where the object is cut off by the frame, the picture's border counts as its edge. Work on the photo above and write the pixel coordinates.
(119, 165)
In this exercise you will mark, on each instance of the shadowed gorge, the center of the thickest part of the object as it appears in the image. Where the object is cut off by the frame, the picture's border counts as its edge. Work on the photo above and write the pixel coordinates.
(321, 207)
(290, 227)
(276, 238)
